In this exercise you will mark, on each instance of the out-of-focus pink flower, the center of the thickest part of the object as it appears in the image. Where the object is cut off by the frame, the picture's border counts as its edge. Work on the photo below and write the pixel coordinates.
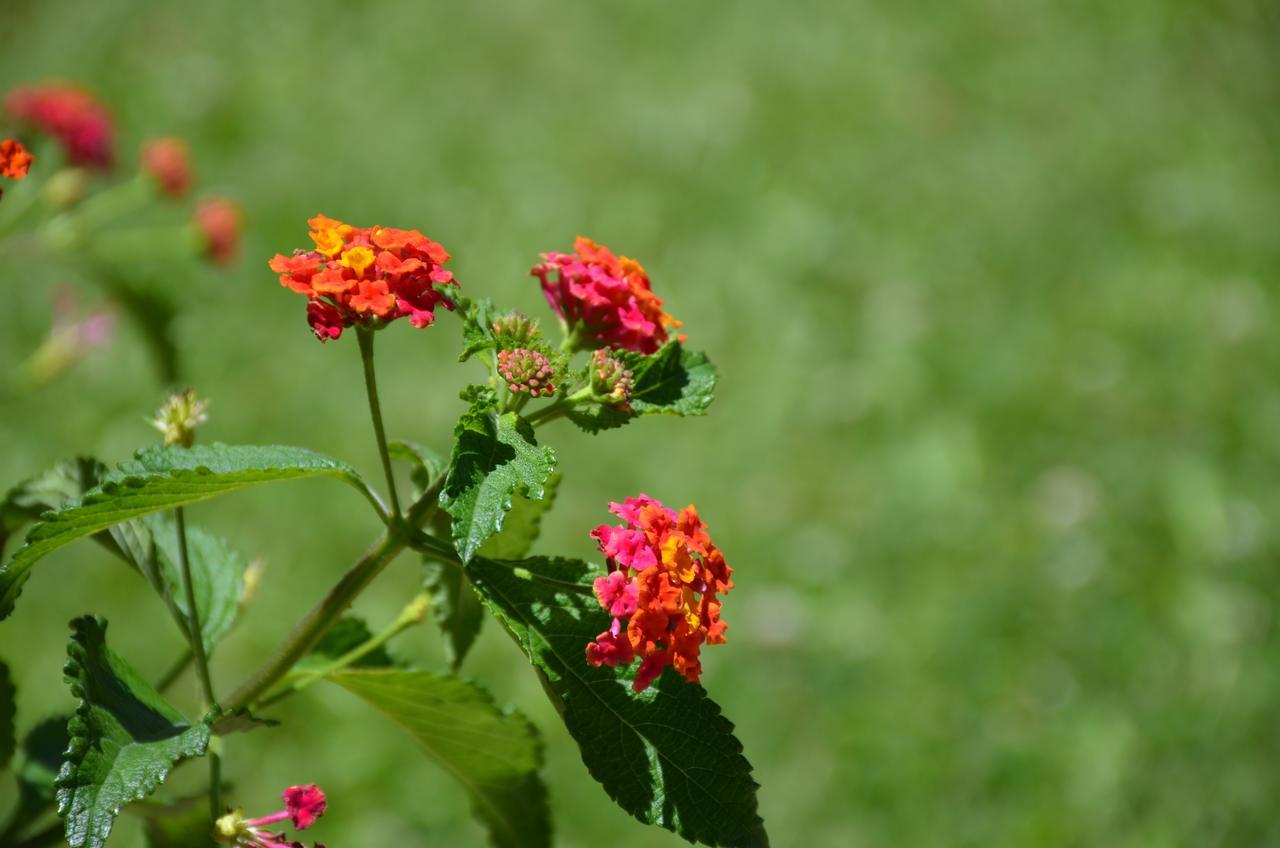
(168, 162)
(218, 221)
(81, 124)
(71, 339)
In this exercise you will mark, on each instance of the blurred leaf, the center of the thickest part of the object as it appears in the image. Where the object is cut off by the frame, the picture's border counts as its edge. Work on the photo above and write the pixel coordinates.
(153, 312)
(673, 381)
(124, 738)
(8, 711)
(666, 755)
(494, 755)
(181, 826)
(42, 752)
(427, 464)
(217, 578)
(162, 478)
(496, 457)
(27, 501)
(240, 721)
(349, 633)
(454, 607)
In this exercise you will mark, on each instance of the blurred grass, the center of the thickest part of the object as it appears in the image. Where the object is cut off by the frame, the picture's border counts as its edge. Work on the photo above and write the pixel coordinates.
(992, 290)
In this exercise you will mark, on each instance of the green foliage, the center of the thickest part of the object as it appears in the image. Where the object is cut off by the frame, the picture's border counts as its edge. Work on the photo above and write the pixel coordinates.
(673, 381)
(427, 464)
(477, 327)
(28, 500)
(124, 738)
(42, 751)
(495, 458)
(494, 755)
(8, 712)
(455, 607)
(158, 479)
(183, 825)
(349, 633)
(666, 756)
(217, 578)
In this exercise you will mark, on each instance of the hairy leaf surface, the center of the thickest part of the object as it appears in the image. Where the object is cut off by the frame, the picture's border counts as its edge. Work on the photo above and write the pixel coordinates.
(124, 738)
(495, 458)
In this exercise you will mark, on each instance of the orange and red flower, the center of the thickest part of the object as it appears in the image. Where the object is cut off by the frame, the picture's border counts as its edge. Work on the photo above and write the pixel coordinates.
(603, 298)
(15, 160)
(168, 162)
(663, 590)
(80, 123)
(366, 276)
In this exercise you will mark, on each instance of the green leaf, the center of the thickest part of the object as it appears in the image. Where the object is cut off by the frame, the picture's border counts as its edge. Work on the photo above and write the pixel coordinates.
(495, 458)
(522, 525)
(454, 607)
(477, 327)
(31, 498)
(42, 752)
(124, 738)
(349, 633)
(159, 479)
(673, 381)
(8, 711)
(666, 755)
(494, 755)
(427, 464)
(217, 578)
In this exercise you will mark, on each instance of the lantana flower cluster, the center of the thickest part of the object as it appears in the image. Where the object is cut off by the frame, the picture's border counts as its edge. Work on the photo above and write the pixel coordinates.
(604, 299)
(80, 123)
(15, 160)
(367, 276)
(663, 590)
(527, 371)
(302, 806)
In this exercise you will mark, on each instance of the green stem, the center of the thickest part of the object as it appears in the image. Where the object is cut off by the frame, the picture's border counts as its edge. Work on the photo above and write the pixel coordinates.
(411, 615)
(559, 408)
(196, 637)
(330, 608)
(365, 336)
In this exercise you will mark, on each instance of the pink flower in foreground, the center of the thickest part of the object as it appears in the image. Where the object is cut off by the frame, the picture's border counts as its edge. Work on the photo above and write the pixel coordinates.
(605, 299)
(302, 806)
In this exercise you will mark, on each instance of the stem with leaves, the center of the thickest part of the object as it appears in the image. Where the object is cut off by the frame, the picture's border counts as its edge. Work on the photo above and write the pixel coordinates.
(196, 636)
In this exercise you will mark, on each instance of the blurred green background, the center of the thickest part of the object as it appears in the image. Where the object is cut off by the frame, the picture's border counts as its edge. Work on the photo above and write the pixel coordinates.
(992, 291)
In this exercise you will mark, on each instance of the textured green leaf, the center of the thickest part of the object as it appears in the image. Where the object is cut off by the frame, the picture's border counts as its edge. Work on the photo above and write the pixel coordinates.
(522, 525)
(124, 738)
(159, 479)
(666, 756)
(477, 327)
(8, 711)
(673, 381)
(494, 755)
(495, 458)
